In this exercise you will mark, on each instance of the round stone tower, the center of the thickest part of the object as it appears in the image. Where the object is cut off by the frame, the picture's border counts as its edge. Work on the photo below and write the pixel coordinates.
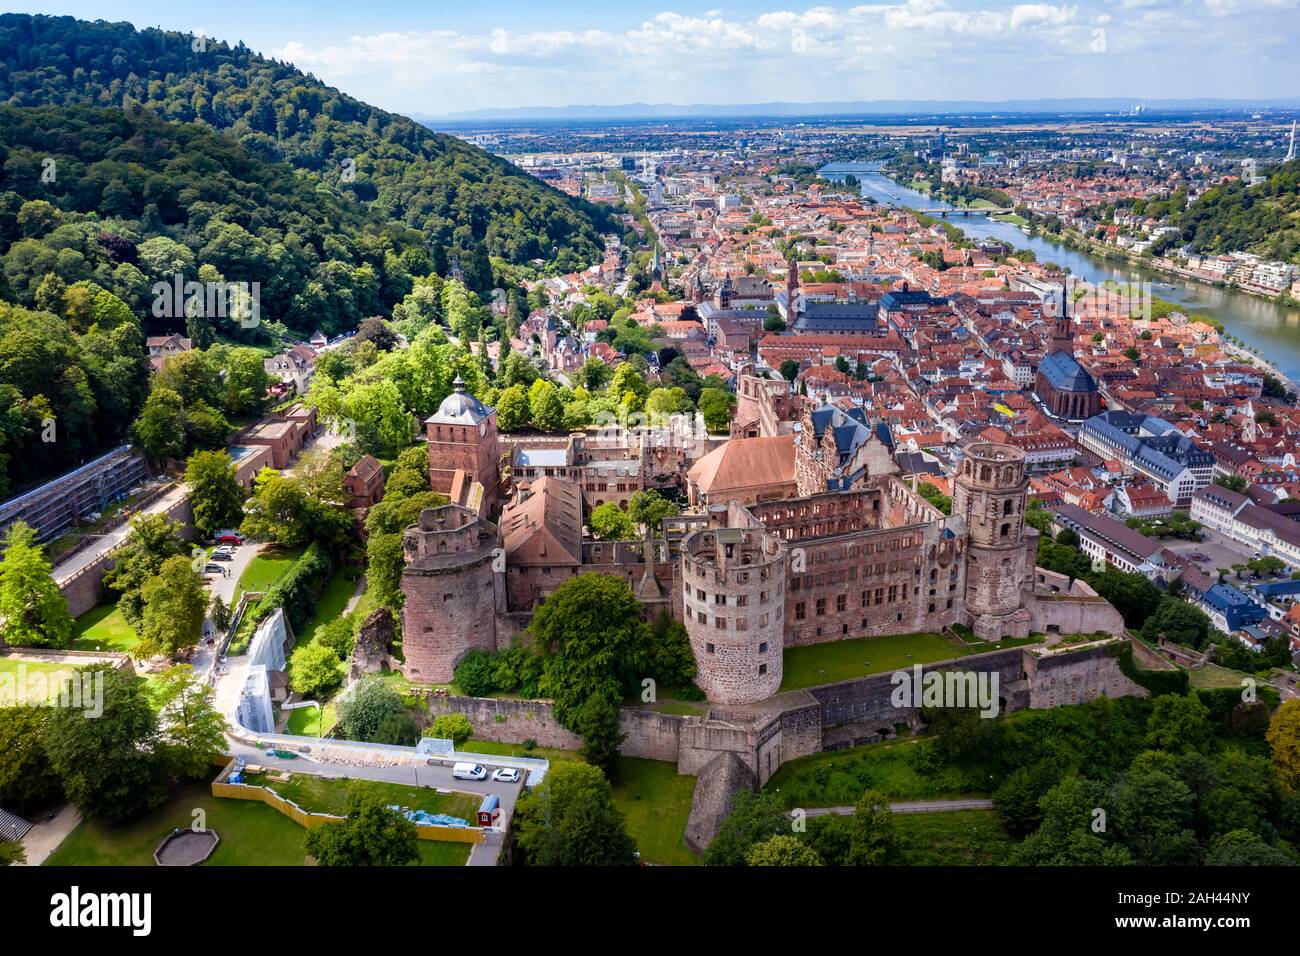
(733, 587)
(990, 495)
(453, 591)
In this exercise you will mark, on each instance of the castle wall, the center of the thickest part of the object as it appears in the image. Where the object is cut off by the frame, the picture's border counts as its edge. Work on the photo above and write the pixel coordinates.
(1073, 614)
(1076, 677)
(83, 589)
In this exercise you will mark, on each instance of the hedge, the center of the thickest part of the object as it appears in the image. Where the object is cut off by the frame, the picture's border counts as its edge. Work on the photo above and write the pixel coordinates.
(299, 588)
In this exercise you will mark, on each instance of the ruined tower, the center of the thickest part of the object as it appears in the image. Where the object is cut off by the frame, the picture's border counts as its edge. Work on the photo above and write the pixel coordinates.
(454, 583)
(733, 590)
(990, 495)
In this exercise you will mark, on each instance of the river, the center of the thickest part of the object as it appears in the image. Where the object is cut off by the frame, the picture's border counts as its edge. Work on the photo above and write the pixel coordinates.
(1272, 329)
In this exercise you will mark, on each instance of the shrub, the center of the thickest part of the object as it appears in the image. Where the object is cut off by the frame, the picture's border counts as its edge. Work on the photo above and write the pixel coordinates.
(453, 727)
(315, 670)
(474, 674)
(364, 710)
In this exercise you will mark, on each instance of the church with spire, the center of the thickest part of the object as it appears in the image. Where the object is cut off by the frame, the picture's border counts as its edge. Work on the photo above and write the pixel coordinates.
(1063, 386)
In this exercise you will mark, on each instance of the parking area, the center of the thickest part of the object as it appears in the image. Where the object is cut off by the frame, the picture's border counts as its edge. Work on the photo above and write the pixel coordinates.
(1215, 552)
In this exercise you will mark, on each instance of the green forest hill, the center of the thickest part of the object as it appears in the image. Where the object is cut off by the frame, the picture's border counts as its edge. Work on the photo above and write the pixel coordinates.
(462, 201)
(128, 158)
(1232, 216)
(1264, 218)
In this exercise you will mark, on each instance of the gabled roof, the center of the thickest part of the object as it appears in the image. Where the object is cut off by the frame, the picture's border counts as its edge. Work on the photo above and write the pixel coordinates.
(745, 463)
(549, 518)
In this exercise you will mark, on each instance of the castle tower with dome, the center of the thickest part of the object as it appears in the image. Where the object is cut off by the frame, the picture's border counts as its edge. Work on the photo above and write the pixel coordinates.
(463, 449)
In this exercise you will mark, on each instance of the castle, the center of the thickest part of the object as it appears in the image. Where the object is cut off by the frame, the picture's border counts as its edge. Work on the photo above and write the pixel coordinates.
(858, 553)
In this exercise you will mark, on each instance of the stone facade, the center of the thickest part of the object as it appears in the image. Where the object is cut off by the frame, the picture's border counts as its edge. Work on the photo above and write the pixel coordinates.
(989, 495)
(462, 437)
(453, 591)
(733, 587)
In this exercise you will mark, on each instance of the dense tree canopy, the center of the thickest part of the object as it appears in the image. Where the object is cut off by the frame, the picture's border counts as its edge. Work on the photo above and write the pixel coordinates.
(451, 194)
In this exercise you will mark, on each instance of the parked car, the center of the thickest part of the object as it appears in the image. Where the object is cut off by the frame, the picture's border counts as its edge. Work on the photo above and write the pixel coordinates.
(506, 775)
(469, 771)
(229, 537)
(222, 556)
(211, 568)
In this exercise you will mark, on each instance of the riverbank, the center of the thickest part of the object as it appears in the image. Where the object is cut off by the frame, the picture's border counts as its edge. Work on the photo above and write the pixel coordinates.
(1081, 243)
(1111, 260)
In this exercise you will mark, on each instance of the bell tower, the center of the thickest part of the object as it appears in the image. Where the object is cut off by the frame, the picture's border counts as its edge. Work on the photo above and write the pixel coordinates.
(792, 293)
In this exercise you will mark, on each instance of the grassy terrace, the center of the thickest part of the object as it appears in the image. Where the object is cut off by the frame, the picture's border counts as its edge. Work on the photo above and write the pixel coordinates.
(267, 568)
(338, 591)
(306, 721)
(832, 661)
(103, 629)
(655, 800)
(493, 748)
(14, 690)
(325, 795)
(252, 834)
(1214, 677)
(837, 778)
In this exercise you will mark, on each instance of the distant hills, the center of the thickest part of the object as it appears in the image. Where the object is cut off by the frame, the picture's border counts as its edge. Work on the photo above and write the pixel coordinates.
(640, 111)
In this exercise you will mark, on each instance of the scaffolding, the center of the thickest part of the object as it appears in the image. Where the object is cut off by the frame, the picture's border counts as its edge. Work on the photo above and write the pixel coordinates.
(75, 498)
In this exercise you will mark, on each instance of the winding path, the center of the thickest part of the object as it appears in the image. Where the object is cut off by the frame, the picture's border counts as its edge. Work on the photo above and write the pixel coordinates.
(912, 806)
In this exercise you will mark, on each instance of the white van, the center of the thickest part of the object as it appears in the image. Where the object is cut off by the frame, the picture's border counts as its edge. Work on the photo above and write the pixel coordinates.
(468, 771)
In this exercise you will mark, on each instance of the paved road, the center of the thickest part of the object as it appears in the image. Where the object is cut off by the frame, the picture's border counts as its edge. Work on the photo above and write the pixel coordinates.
(44, 838)
(225, 586)
(112, 539)
(411, 775)
(911, 806)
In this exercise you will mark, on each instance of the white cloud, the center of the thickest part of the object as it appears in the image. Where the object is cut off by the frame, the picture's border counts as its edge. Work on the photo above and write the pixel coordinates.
(910, 49)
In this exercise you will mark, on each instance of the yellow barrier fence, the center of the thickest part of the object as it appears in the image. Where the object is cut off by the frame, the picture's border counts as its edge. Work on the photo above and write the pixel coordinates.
(304, 818)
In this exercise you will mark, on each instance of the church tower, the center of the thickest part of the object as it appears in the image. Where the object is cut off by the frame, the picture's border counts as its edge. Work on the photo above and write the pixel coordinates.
(792, 293)
(1063, 334)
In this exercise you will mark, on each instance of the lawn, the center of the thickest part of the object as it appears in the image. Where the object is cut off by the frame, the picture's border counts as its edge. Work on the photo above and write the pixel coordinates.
(324, 795)
(338, 591)
(837, 778)
(953, 838)
(655, 800)
(103, 628)
(252, 834)
(267, 568)
(1215, 676)
(13, 686)
(832, 661)
(305, 721)
(493, 748)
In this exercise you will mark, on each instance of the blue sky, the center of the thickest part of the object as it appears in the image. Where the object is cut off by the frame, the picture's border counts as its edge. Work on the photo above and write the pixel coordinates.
(437, 57)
